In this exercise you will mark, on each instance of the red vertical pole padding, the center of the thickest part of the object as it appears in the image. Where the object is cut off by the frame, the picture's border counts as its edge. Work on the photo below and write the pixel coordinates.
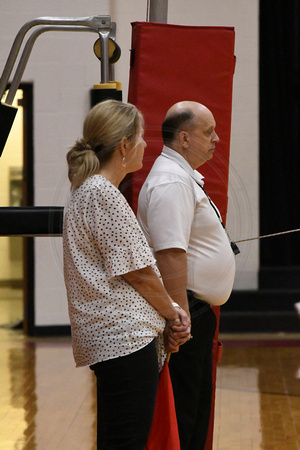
(170, 63)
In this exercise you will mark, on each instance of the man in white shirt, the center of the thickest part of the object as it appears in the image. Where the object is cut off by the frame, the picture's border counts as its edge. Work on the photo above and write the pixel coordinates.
(193, 252)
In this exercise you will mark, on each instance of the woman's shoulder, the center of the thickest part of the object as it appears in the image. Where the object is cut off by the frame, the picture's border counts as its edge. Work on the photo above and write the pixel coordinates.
(98, 186)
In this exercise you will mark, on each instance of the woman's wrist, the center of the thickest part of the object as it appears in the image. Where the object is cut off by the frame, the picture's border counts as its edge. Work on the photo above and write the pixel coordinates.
(172, 317)
(175, 305)
(172, 312)
(174, 321)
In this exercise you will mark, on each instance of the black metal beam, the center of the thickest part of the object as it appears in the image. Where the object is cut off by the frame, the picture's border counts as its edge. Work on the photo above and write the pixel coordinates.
(31, 221)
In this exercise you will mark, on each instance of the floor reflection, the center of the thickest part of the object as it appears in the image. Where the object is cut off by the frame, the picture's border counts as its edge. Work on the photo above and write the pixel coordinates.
(46, 403)
(11, 307)
(237, 411)
(258, 395)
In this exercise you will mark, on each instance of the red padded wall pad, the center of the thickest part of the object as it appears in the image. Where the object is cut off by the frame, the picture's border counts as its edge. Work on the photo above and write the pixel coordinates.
(170, 63)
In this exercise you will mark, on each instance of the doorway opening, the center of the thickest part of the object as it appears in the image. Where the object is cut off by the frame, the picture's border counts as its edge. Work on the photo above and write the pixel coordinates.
(16, 189)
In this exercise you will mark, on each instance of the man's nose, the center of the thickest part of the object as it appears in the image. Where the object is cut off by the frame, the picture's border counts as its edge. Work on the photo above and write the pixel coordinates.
(216, 138)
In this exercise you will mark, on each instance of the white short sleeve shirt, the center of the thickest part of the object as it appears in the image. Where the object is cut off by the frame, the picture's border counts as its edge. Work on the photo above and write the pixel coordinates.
(102, 241)
(174, 212)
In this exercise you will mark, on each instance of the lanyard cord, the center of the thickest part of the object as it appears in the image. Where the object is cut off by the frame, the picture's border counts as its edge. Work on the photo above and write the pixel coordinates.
(233, 245)
(212, 205)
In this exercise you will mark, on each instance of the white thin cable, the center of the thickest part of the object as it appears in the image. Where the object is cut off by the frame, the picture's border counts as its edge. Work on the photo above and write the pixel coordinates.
(268, 235)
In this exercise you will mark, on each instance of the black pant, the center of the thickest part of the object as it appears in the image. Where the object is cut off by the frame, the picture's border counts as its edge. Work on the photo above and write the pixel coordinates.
(191, 374)
(126, 392)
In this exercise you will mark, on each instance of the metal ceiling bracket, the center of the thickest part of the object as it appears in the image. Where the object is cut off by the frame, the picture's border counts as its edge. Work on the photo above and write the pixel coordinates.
(99, 24)
(95, 22)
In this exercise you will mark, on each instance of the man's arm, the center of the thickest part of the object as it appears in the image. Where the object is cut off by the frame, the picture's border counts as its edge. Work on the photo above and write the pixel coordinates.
(172, 264)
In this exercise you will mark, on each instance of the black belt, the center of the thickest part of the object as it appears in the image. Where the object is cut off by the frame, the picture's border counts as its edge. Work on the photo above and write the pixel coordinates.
(197, 307)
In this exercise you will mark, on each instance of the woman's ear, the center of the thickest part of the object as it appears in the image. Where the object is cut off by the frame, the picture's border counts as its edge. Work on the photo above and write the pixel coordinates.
(123, 146)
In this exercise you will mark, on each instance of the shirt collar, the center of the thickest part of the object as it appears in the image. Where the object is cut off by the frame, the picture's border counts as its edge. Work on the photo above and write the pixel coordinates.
(169, 153)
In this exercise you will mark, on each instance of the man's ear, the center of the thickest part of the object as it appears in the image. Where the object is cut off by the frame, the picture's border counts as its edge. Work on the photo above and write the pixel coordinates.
(184, 139)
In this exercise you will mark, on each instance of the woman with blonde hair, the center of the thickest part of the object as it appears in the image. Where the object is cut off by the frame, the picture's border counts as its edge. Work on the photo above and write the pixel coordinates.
(119, 310)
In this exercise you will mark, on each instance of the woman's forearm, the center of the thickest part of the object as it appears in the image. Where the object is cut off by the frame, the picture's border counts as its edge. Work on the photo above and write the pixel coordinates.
(147, 283)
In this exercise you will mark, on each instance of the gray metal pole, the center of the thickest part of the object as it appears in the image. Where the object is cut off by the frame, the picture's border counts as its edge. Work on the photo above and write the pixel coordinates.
(158, 11)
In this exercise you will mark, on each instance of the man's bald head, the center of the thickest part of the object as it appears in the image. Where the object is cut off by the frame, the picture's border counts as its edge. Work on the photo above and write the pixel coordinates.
(189, 129)
(182, 115)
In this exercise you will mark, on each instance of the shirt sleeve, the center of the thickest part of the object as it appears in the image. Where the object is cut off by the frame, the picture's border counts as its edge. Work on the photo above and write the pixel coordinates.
(170, 215)
(118, 235)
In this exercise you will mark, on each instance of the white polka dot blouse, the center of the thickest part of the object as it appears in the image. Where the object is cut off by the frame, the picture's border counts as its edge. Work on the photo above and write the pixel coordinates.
(102, 241)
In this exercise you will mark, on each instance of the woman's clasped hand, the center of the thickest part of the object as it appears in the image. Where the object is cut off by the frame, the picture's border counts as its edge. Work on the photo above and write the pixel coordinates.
(177, 332)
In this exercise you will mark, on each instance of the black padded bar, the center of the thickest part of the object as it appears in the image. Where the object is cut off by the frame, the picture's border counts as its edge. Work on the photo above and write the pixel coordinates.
(31, 221)
(7, 117)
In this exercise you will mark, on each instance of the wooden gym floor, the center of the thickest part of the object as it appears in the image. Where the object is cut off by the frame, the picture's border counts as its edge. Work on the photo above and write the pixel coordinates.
(47, 404)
